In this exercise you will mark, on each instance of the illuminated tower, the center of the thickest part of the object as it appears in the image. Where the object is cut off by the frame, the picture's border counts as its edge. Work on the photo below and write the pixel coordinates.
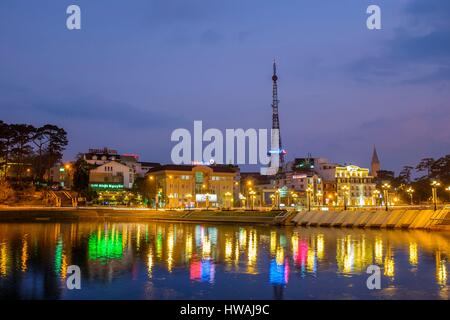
(276, 148)
(375, 164)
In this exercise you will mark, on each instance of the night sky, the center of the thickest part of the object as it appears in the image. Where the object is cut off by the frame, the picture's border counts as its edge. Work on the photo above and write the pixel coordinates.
(140, 69)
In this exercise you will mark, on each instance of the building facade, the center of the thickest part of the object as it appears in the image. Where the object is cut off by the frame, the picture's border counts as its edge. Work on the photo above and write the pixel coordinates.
(111, 175)
(61, 174)
(98, 157)
(355, 186)
(188, 186)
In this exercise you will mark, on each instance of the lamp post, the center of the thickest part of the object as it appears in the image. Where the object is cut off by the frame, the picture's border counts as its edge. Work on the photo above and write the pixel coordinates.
(189, 196)
(152, 180)
(272, 198)
(386, 187)
(376, 194)
(249, 189)
(448, 189)
(277, 196)
(252, 198)
(207, 200)
(170, 200)
(434, 185)
(345, 190)
(228, 197)
(308, 196)
(294, 198)
(319, 197)
(410, 191)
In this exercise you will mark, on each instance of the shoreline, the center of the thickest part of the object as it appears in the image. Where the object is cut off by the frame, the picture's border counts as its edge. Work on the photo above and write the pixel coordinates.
(397, 219)
(86, 214)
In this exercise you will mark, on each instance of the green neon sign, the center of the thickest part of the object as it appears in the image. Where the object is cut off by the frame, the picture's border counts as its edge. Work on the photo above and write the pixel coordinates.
(113, 186)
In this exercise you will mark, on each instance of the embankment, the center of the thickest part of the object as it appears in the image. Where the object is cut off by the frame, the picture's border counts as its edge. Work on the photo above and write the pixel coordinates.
(31, 214)
(392, 219)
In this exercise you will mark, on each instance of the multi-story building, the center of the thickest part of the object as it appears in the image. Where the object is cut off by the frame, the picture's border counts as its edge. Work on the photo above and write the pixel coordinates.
(61, 174)
(355, 187)
(101, 156)
(111, 175)
(332, 181)
(181, 186)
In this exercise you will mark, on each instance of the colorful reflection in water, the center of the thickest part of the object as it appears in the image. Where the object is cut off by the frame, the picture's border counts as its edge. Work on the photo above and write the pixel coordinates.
(103, 245)
(184, 261)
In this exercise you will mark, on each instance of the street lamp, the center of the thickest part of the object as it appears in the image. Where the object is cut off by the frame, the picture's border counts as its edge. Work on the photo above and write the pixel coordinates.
(294, 198)
(207, 200)
(319, 197)
(410, 191)
(272, 198)
(228, 197)
(434, 185)
(170, 200)
(252, 197)
(447, 189)
(386, 187)
(345, 192)
(277, 195)
(188, 197)
(308, 193)
(153, 187)
(376, 195)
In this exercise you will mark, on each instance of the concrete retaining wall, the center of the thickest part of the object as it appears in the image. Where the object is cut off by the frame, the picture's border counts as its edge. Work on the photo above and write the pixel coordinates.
(401, 219)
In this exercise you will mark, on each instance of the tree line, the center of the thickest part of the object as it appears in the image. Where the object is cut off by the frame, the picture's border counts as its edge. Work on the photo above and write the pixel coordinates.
(28, 152)
(419, 178)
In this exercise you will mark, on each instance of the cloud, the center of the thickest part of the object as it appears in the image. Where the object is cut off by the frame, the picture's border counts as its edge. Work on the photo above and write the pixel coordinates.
(87, 108)
(419, 51)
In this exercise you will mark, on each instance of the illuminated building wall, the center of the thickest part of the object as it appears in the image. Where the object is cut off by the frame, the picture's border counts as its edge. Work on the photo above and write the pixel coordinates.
(359, 183)
(184, 185)
(112, 172)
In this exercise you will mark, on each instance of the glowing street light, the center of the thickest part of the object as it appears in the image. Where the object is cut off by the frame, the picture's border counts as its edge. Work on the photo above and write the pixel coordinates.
(189, 197)
(309, 190)
(277, 196)
(345, 189)
(228, 198)
(319, 197)
(376, 195)
(294, 197)
(434, 185)
(272, 198)
(386, 187)
(252, 197)
(410, 191)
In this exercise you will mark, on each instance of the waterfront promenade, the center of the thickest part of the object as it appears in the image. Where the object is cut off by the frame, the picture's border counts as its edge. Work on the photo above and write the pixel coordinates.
(392, 219)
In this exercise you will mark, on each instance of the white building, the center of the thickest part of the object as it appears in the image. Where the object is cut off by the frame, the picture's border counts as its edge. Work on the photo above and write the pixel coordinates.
(111, 175)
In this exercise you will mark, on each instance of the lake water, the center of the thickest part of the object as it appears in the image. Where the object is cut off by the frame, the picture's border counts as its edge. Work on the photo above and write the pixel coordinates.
(208, 261)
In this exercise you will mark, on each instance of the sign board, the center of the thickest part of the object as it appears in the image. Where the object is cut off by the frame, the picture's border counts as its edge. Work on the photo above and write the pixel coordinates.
(202, 197)
(108, 186)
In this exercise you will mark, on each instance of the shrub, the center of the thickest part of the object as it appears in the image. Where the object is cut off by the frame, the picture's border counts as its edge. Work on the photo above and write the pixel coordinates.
(7, 193)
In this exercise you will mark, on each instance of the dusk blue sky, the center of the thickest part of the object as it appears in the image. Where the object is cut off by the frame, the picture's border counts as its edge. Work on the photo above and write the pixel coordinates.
(140, 69)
